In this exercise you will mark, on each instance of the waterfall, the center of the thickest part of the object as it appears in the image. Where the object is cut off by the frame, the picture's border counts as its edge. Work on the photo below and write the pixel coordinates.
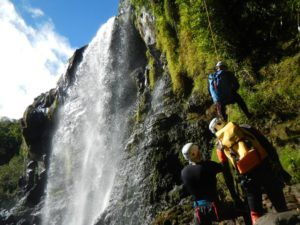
(87, 142)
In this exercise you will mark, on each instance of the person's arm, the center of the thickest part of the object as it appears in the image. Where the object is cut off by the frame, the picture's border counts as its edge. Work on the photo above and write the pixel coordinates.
(208, 87)
(215, 167)
(188, 184)
(229, 181)
(227, 175)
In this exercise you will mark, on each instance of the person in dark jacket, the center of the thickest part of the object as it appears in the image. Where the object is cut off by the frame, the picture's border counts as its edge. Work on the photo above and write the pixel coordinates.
(262, 176)
(223, 87)
(199, 178)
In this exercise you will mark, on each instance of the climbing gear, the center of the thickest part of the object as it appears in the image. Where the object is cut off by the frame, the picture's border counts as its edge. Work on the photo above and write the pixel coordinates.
(241, 147)
(220, 63)
(216, 124)
(205, 210)
(185, 150)
(211, 31)
(191, 153)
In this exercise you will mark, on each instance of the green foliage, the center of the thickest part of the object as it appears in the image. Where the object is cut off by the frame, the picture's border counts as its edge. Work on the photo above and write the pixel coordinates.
(276, 94)
(9, 176)
(10, 139)
(290, 160)
(249, 31)
(11, 160)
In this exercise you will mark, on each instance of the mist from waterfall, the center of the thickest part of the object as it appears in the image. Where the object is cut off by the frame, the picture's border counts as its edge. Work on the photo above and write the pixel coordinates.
(86, 144)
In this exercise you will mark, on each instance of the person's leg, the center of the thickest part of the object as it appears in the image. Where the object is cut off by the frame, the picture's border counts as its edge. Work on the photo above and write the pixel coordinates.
(202, 217)
(272, 186)
(242, 105)
(276, 196)
(221, 110)
(254, 198)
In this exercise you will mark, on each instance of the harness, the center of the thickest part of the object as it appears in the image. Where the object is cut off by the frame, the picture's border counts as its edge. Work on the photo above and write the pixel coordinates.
(204, 207)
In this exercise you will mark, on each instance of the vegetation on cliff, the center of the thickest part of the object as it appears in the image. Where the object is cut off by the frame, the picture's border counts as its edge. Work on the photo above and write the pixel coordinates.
(245, 34)
(260, 43)
(12, 160)
(10, 139)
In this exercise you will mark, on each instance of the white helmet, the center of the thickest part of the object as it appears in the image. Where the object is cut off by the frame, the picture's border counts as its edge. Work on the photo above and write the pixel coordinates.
(185, 150)
(220, 63)
(216, 124)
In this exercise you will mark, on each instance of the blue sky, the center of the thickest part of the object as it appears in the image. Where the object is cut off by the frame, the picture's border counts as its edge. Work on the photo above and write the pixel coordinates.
(77, 20)
(37, 39)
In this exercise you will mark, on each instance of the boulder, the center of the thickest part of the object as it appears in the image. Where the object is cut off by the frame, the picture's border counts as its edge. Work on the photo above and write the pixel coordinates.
(284, 218)
(37, 122)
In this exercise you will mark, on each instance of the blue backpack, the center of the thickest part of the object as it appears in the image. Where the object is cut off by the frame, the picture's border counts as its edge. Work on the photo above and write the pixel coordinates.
(220, 86)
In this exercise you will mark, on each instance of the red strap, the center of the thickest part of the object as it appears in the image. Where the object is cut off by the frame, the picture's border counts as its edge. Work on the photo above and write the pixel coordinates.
(198, 215)
(216, 211)
(215, 85)
(254, 216)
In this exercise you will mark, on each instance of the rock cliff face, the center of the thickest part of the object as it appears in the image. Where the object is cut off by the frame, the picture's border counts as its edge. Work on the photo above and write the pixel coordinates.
(150, 169)
(147, 184)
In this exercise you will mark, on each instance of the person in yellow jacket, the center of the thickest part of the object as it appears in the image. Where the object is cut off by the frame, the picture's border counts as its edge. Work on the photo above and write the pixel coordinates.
(253, 157)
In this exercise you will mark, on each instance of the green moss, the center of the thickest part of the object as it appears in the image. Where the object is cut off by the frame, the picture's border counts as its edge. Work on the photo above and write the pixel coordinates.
(183, 35)
(273, 98)
(290, 160)
(143, 107)
(152, 70)
(170, 12)
(167, 42)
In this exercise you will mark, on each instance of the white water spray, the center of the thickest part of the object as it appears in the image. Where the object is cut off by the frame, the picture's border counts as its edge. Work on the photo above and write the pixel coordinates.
(86, 143)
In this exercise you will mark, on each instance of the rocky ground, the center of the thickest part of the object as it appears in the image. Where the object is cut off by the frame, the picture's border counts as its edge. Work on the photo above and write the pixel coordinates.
(292, 195)
(292, 217)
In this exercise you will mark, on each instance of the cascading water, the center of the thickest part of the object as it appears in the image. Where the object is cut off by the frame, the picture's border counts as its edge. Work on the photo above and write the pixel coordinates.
(87, 142)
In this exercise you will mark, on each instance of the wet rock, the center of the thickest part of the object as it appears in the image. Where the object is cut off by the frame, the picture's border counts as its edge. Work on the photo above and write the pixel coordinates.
(36, 124)
(284, 218)
(67, 79)
(146, 27)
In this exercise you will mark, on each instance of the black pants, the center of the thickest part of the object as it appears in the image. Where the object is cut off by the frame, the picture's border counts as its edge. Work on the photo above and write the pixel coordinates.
(235, 98)
(262, 178)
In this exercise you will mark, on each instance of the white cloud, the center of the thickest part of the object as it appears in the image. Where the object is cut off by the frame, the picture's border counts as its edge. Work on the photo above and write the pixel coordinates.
(35, 13)
(31, 60)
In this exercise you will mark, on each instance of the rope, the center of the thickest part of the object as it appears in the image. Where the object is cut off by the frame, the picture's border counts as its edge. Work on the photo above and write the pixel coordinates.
(211, 31)
(298, 22)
